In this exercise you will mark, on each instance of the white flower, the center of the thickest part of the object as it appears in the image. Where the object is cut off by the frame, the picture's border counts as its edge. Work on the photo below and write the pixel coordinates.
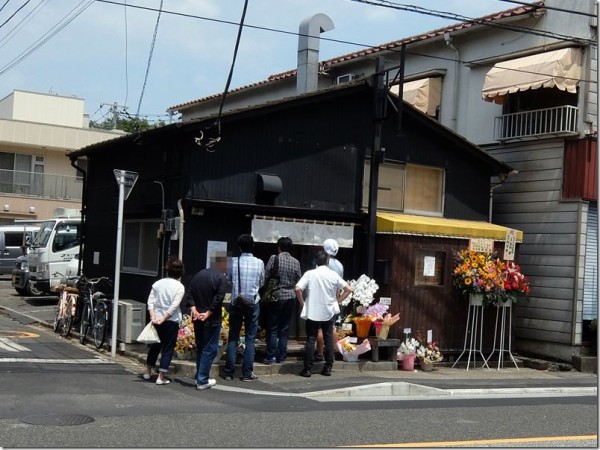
(409, 346)
(363, 291)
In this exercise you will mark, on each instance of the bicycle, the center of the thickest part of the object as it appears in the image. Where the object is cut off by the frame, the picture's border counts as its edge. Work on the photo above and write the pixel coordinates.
(66, 313)
(96, 309)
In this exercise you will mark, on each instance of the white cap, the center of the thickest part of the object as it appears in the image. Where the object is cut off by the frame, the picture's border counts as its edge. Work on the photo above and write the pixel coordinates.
(330, 246)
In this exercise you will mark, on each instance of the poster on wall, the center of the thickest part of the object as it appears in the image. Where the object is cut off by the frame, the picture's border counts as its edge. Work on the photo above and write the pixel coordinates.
(214, 248)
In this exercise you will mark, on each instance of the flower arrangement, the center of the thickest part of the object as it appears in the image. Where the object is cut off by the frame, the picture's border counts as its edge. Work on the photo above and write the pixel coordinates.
(363, 291)
(349, 351)
(429, 352)
(186, 342)
(408, 347)
(485, 273)
(382, 326)
(515, 283)
(375, 312)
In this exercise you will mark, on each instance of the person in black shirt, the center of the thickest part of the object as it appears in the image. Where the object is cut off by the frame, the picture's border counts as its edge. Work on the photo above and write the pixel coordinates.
(205, 298)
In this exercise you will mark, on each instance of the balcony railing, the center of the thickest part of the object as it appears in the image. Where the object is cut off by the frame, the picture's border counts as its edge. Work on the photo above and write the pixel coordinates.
(561, 120)
(42, 185)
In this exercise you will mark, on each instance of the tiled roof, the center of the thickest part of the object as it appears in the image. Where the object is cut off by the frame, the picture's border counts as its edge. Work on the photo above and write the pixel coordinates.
(327, 64)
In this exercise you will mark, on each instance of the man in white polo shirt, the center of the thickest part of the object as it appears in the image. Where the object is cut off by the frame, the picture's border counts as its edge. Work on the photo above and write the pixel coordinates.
(325, 290)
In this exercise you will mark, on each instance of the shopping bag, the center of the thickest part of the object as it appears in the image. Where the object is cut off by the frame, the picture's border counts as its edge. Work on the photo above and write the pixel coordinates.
(149, 335)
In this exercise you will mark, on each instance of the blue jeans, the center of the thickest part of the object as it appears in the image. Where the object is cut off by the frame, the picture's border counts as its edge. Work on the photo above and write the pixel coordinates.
(279, 316)
(207, 345)
(250, 320)
(312, 328)
(167, 332)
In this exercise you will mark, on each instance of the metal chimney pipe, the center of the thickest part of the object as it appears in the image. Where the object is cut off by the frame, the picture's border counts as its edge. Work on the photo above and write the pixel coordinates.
(308, 51)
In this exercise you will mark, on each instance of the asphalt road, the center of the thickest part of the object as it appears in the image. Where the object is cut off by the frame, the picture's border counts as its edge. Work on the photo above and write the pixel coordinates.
(57, 393)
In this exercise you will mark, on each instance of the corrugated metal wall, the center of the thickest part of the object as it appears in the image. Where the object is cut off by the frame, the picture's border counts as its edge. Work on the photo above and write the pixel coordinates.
(590, 288)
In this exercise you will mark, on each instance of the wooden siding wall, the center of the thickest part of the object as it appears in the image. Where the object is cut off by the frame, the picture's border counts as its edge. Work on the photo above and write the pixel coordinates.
(531, 201)
(581, 169)
(437, 308)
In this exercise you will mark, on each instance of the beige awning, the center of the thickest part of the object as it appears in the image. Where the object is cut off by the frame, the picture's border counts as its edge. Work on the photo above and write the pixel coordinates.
(423, 94)
(560, 69)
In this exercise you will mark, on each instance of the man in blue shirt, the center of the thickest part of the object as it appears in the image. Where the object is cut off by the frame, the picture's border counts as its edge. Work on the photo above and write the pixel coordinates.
(248, 275)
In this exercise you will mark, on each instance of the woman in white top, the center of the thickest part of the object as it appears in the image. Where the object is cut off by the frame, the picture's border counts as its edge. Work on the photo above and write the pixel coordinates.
(163, 306)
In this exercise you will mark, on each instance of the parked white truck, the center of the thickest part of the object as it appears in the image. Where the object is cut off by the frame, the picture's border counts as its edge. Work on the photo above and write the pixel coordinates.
(55, 245)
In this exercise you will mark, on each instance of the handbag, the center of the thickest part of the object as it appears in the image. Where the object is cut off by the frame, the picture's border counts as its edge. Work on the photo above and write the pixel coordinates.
(270, 289)
(149, 335)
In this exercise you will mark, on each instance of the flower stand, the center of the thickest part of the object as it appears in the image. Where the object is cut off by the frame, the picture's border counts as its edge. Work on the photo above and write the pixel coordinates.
(503, 308)
(408, 363)
(474, 328)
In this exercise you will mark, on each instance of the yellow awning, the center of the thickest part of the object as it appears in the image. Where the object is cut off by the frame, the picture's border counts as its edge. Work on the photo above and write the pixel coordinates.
(424, 94)
(438, 226)
(560, 69)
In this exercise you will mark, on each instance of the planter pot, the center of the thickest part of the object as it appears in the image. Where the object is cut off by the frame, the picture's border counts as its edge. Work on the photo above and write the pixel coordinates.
(362, 328)
(383, 332)
(426, 366)
(505, 303)
(476, 299)
(408, 363)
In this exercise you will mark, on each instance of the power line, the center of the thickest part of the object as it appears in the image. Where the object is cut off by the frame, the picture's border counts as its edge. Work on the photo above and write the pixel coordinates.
(210, 142)
(150, 55)
(340, 41)
(5, 3)
(15, 13)
(480, 21)
(553, 8)
(126, 56)
(47, 36)
(30, 15)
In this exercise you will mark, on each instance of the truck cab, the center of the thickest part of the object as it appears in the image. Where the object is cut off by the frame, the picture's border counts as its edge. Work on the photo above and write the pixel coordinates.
(55, 245)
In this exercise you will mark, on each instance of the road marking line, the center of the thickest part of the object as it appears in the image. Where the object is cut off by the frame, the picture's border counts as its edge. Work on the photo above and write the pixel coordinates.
(54, 361)
(11, 346)
(477, 442)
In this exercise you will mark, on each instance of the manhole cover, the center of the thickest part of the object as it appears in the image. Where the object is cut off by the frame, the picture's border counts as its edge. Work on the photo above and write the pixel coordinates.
(18, 334)
(57, 419)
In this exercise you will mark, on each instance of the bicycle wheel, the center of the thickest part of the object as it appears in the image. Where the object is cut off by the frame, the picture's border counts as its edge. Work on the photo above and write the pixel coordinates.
(85, 323)
(58, 319)
(67, 323)
(99, 331)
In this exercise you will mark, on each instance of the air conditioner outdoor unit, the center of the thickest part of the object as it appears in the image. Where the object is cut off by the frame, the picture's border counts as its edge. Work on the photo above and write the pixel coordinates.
(132, 320)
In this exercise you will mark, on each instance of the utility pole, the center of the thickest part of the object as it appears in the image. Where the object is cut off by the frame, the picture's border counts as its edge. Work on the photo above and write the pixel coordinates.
(377, 156)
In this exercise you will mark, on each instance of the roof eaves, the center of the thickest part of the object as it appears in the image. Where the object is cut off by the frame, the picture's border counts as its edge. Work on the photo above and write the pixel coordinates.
(327, 64)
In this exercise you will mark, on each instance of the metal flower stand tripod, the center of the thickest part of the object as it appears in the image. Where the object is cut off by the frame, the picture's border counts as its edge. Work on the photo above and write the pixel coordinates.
(506, 307)
(474, 323)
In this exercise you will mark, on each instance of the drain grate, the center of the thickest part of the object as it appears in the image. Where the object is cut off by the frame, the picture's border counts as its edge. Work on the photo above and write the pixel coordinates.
(57, 419)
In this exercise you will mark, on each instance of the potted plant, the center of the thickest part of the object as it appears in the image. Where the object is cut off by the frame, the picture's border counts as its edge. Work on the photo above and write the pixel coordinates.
(357, 302)
(428, 354)
(407, 352)
(185, 347)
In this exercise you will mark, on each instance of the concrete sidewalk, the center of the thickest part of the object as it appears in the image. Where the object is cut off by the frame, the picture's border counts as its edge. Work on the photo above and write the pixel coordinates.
(284, 377)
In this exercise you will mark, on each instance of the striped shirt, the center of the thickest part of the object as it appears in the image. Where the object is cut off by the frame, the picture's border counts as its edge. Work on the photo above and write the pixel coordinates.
(252, 274)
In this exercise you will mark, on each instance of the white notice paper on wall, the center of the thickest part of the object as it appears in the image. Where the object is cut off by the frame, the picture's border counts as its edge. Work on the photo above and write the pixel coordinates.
(429, 266)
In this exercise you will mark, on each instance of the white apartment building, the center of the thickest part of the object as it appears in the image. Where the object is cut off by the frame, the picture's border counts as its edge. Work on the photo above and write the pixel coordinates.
(37, 131)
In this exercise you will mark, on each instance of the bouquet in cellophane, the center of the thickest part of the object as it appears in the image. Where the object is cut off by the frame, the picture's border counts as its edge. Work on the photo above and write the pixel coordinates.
(349, 351)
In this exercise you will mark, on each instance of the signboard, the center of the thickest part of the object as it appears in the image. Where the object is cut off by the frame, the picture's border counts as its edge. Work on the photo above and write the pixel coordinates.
(481, 245)
(126, 178)
(510, 244)
(385, 300)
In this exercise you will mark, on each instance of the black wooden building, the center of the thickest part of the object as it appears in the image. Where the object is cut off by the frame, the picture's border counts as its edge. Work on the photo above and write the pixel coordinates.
(297, 162)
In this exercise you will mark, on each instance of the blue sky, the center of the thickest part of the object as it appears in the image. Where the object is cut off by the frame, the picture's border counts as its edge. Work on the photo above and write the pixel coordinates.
(102, 57)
